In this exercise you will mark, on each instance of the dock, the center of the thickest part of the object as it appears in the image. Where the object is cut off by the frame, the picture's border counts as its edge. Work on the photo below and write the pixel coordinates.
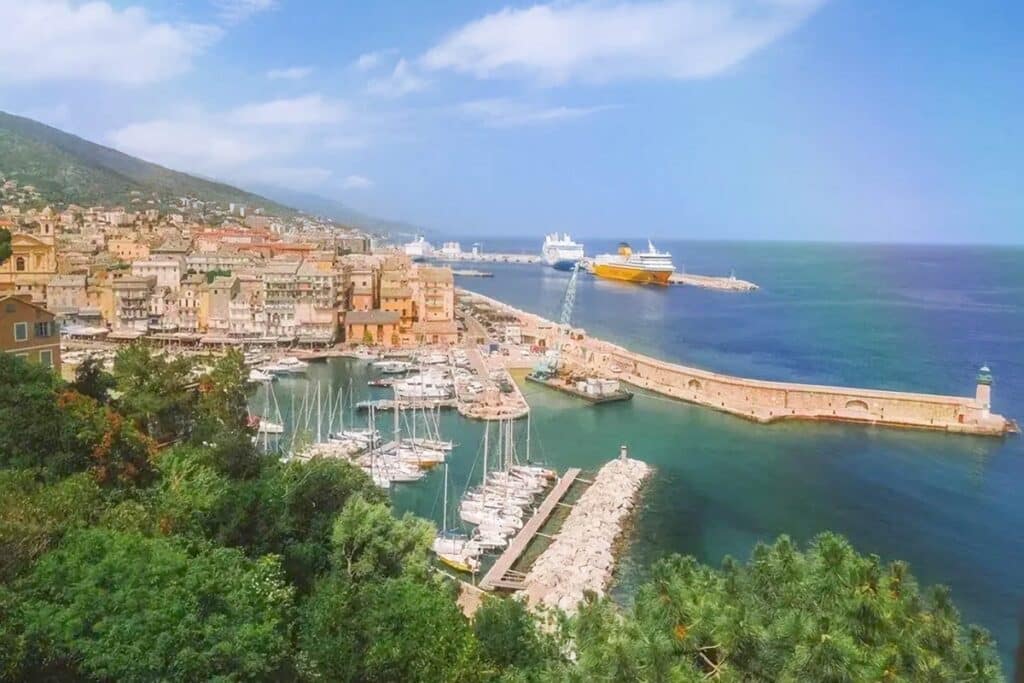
(721, 284)
(567, 388)
(501, 574)
(472, 273)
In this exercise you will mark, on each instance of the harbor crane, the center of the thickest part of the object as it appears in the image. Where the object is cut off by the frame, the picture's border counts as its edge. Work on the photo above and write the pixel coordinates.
(548, 366)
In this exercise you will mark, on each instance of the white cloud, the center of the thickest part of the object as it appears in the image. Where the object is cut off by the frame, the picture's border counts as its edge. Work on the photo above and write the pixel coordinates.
(234, 11)
(58, 40)
(356, 182)
(369, 61)
(402, 81)
(507, 113)
(190, 144)
(605, 41)
(309, 109)
(293, 73)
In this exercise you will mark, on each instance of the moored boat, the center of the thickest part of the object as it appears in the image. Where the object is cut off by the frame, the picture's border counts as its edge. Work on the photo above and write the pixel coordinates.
(646, 267)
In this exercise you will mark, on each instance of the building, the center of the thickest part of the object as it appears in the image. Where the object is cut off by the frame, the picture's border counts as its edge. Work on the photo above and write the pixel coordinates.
(280, 293)
(128, 249)
(66, 294)
(166, 270)
(376, 328)
(29, 331)
(131, 301)
(32, 265)
(434, 297)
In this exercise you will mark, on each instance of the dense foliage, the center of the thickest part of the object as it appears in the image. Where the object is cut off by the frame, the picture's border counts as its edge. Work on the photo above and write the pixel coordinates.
(142, 537)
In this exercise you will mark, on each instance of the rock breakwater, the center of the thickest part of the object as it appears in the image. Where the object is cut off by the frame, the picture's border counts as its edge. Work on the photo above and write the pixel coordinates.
(582, 556)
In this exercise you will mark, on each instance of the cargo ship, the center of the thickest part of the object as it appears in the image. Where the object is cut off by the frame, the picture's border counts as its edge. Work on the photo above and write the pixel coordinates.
(644, 267)
(561, 252)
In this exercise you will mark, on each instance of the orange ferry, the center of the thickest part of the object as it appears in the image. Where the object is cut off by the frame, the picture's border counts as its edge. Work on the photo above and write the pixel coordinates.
(649, 267)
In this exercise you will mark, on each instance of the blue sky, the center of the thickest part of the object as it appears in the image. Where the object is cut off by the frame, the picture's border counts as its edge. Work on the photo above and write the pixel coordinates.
(709, 119)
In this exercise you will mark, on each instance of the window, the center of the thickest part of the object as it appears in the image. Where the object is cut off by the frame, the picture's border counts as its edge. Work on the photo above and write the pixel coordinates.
(46, 359)
(43, 329)
(20, 332)
(19, 264)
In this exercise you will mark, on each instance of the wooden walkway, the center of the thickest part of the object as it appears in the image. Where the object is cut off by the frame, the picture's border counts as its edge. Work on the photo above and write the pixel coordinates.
(501, 574)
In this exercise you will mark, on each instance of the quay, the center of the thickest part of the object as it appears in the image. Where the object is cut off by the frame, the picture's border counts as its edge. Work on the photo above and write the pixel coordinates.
(501, 574)
(765, 401)
(721, 284)
(481, 257)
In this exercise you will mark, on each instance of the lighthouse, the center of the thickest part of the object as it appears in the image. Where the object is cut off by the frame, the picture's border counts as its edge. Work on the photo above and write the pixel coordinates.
(983, 392)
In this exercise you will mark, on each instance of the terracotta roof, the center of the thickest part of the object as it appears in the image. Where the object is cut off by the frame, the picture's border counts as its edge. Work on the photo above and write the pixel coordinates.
(431, 274)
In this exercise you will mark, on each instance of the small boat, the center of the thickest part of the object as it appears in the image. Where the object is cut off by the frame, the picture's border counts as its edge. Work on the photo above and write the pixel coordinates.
(380, 382)
(269, 427)
(258, 376)
(431, 444)
(434, 358)
(460, 563)
(288, 365)
(393, 367)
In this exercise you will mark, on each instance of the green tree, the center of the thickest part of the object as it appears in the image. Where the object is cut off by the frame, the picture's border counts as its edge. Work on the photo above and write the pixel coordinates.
(369, 542)
(119, 606)
(155, 392)
(5, 244)
(828, 614)
(34, 431)
(399, 629)
(223, 404)
(92, 380)
(34, 515)
(510, 638)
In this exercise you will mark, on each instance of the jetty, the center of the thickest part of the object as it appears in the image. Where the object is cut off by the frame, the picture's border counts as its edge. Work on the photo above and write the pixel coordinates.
(472, 273)
(581, 559)
(721, 284)
(501, 574)
(766, 401)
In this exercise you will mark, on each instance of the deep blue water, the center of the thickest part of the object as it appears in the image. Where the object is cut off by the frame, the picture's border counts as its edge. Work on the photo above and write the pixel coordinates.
(916, 318)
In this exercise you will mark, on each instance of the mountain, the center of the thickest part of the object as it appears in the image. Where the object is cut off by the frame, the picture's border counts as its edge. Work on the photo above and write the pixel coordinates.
(66, 169)
(335, 210)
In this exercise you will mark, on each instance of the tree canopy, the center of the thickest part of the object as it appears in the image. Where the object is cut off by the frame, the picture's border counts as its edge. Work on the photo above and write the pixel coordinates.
(144, 537)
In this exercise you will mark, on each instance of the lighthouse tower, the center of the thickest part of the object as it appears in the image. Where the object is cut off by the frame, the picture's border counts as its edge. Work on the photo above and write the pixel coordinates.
(983, 392)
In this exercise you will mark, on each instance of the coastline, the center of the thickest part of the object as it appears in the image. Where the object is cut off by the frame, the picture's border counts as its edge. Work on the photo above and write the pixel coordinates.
(765, 401)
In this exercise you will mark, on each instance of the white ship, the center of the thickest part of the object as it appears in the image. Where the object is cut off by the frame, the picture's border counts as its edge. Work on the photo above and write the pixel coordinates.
(419, 249)
(560, 252)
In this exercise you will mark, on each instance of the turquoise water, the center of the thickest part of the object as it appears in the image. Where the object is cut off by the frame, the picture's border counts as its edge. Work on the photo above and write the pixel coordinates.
(913, 318)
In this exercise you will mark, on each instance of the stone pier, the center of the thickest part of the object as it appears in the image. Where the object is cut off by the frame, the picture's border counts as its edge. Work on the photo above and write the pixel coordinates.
(766, 401)
(581, 558)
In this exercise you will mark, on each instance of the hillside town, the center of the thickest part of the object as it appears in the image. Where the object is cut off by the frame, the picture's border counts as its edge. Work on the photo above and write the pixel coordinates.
(245, 278)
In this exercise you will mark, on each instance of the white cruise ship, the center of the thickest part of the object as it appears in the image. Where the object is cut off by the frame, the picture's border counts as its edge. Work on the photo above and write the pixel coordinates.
(419, 249)
(560, 252)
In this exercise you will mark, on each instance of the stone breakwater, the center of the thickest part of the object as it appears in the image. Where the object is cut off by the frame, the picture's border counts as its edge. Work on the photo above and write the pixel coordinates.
(582, 556)
(767, 401)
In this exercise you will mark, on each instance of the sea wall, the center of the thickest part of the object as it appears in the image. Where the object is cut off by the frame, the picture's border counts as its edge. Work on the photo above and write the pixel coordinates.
(581, 558)
(765, 401)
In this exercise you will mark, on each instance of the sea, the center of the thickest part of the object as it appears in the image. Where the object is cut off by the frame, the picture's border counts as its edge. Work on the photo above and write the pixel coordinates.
(912, 318)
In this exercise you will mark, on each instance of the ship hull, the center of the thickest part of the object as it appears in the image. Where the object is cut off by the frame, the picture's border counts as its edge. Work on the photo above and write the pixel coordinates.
(629, 274)
(563, 264)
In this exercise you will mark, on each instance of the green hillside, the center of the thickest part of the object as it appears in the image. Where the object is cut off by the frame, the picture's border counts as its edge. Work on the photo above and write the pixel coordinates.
(65, 169)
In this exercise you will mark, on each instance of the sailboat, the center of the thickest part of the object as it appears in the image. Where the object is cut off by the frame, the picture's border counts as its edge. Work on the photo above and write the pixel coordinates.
(453, 549)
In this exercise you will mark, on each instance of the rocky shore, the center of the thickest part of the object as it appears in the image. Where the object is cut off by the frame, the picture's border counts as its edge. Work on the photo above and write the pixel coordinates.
(582, 556)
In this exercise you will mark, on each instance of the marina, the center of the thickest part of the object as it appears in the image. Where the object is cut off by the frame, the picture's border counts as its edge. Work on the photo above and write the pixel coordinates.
(501, 575)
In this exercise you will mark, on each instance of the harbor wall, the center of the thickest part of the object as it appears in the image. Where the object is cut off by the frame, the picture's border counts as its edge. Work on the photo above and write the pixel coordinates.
(765, 401)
